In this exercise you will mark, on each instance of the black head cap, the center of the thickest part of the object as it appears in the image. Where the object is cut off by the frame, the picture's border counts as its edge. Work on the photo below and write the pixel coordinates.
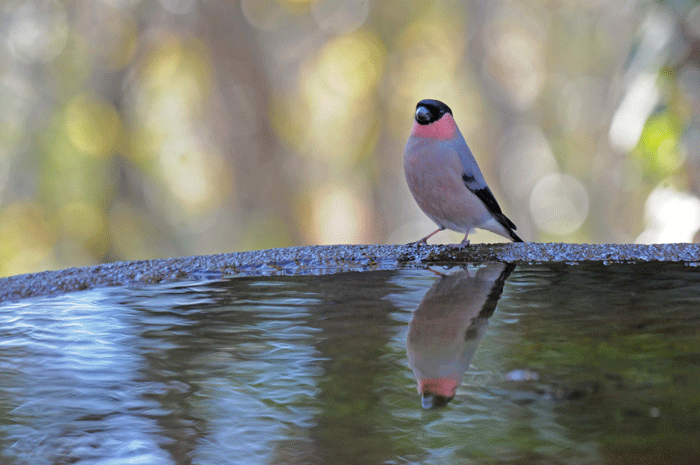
(428, 111)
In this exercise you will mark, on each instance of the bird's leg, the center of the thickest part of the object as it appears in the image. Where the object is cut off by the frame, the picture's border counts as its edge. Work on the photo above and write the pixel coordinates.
(424, 241)
(465, 241)
(442, 275)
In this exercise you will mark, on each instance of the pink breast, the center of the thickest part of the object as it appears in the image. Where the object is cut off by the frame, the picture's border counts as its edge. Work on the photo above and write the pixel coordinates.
(443, 129)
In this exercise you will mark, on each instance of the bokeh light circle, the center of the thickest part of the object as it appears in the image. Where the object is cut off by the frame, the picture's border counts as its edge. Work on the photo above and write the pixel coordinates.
(559, 204)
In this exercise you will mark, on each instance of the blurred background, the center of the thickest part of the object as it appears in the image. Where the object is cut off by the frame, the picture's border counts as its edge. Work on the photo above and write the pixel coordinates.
(134, 129)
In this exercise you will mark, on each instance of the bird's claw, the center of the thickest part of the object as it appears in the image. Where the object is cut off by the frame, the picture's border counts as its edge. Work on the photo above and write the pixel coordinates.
(462, 245)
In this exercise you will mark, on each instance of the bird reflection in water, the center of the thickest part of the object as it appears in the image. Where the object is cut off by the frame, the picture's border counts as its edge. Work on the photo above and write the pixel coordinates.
(447, 326)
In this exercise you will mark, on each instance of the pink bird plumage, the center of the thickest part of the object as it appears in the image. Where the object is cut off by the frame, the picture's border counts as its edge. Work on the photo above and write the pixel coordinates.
(445, 180)
(447, 326)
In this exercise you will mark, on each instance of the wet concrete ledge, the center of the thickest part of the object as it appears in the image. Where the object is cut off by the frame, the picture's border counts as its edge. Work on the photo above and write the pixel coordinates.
(329, 259)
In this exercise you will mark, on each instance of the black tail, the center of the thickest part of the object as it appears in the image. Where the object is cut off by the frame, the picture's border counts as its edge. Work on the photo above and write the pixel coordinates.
(486, 196)
(514, 236)
(509, 225)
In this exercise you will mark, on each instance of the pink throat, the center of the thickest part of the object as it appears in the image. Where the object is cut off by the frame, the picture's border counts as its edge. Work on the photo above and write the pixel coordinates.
(442, 129)
(441, 386)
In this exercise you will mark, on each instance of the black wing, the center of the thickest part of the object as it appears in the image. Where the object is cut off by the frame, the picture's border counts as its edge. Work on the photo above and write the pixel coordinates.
(486, 196)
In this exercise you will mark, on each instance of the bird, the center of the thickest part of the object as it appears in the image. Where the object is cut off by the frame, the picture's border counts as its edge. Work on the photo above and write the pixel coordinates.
(446, 181)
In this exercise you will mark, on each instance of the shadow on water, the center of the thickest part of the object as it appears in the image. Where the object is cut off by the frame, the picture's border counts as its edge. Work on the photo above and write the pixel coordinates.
(573, 364)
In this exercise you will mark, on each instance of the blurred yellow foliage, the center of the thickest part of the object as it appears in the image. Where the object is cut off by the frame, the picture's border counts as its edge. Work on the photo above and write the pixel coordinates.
(658, 146)
(338, 89)
(28, 236)
(93, 126)
(297, 2)
(85, 223)
(140, 129)
(174, 81)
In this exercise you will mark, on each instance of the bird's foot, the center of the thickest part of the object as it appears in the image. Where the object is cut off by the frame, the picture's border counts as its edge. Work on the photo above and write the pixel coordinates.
(419, 243)
(461, 245)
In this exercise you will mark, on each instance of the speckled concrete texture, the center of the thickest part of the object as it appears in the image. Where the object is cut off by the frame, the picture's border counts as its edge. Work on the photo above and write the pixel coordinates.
(330, 259)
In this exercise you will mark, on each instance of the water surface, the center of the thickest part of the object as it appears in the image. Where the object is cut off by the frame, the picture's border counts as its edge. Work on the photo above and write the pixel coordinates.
(564, 364)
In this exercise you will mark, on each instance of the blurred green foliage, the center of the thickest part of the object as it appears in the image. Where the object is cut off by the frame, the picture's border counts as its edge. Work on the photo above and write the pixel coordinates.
(149, 128)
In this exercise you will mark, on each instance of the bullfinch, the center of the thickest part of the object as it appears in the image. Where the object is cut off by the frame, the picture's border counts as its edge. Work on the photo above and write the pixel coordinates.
(445, 180)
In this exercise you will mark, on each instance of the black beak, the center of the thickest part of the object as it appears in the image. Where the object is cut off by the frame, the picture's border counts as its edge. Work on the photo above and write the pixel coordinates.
(429, 401)
(423, 115)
